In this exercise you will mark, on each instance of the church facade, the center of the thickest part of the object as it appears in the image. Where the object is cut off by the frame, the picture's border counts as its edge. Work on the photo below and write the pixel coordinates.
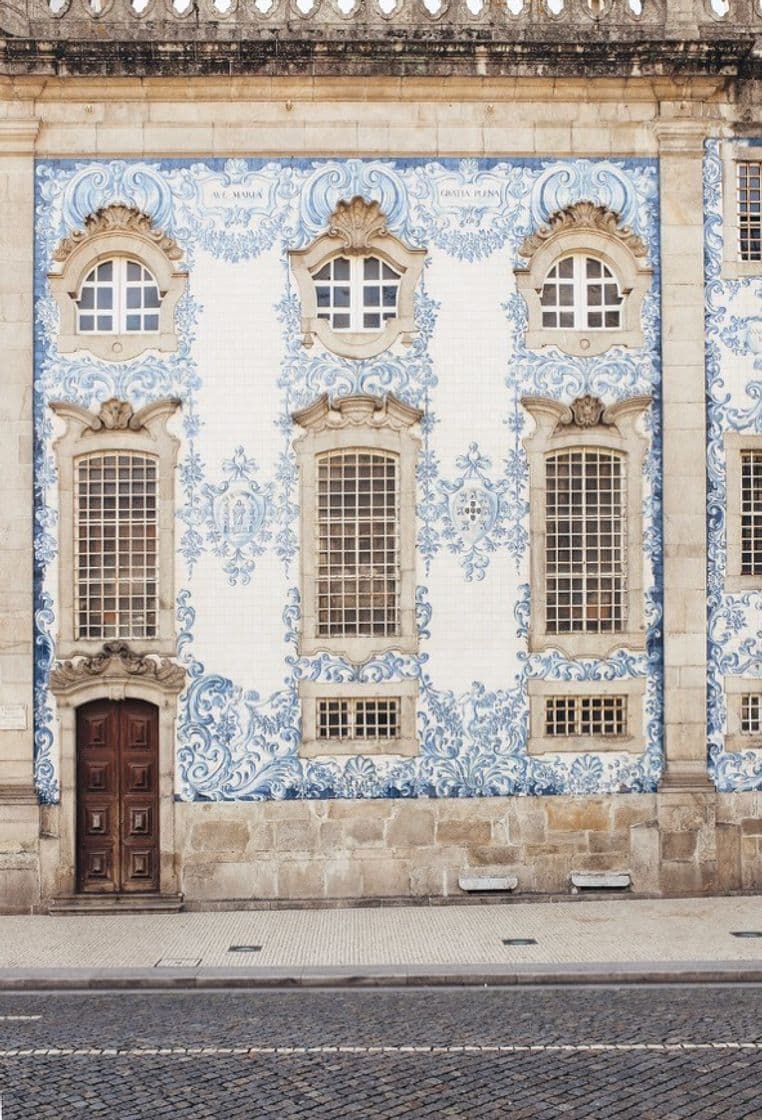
(382, 452)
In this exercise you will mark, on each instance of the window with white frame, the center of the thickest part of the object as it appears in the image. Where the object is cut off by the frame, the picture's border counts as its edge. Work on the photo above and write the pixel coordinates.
(751, 713)
(585, 715)
(749, 209)
(116, 546)
(751, 513)
(356, 293)
(118, 296)
(581, 293)
(585, 565)
(358, 717)
(358, 543)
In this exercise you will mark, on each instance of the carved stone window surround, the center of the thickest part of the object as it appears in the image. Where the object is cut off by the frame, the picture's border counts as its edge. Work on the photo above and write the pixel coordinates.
(116, 428)
(357, 229)
(597, 427)
(735, 444)
(115, 672)
(364, 423)
(735, 688)
(116, 231)
(541, 743)
(590, 230)
(734, 153)
(405, 745)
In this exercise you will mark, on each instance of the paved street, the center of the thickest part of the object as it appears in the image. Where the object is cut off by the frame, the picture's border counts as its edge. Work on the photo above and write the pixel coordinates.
(661, 1053)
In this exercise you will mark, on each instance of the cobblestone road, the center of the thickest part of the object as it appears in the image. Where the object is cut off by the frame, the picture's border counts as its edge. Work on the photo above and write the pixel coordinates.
(582, 1053)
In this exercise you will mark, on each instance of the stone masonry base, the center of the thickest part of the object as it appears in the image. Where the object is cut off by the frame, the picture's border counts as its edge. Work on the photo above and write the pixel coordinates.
(246, 853)
(671, 843)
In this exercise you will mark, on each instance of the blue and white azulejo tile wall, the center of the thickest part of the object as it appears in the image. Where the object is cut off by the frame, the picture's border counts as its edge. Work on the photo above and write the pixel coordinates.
(241, 370)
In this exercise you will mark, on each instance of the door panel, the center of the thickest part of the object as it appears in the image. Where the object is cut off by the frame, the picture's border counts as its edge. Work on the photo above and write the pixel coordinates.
(117, 797)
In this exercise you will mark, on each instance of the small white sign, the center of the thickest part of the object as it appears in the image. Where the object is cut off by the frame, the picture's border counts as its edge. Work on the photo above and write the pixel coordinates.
(12, 717)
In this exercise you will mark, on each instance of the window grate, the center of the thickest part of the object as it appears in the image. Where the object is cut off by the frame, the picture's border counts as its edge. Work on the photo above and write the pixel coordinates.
(581, 293)
(751, 513)
(357, 545)
(751, 713)
(585, 542)
(116, 546)
(359, 718)
(356, 293)
(118, 297)
(585, 715)
(749, 200)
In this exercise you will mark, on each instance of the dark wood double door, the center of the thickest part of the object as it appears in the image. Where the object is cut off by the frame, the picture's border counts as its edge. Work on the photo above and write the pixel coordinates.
(117, 797)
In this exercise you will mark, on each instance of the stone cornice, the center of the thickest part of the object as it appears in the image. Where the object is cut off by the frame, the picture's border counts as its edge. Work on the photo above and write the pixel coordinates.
(18, 137)
(682, 36)
(116, 662)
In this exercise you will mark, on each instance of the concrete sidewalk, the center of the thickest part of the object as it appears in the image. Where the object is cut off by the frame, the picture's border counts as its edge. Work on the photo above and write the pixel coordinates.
(590, 941)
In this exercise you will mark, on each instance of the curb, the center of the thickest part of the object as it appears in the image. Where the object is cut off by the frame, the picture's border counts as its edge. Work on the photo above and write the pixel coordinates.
(390, 976)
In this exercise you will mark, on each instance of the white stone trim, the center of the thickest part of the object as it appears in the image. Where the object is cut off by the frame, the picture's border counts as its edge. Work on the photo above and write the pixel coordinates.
(357, 228)
(365, 423)
(616, 430)
(631, 743)
(144, 431)
(112, 233)
(735, 444)
(405, 745)
(585, 229)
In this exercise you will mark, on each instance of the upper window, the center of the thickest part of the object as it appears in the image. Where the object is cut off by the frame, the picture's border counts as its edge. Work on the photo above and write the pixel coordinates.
(357, 467)
(584, 282)
(749, 210)
(743, 452)
(117, 284)
(585, 505)
(581, 293)
(116, 549)
(742, 209)
(357, 283)
(357, 293)
(357, 583)
(116, 512)
(118, 296)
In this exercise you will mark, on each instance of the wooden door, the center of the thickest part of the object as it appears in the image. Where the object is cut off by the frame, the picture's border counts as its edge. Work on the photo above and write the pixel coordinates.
(117, 797)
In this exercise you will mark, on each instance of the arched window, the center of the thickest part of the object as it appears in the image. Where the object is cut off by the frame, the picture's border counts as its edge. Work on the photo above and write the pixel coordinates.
(118, 296)
(117, 283)
(584, 282)
(357, 283)
(581, 293)
(357, 293)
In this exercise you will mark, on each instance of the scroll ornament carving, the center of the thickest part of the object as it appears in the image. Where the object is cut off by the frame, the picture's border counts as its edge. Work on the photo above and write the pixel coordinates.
(116, 415)
(357, 223)
(587, 216)
(357, 410)
(117, 659)
(118, 219)
(587, 411)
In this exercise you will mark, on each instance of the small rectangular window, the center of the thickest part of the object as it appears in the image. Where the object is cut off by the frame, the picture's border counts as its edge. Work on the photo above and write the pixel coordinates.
(751, 714)
(585, 715)
(751, 513)
(358, 718)
(749, 199)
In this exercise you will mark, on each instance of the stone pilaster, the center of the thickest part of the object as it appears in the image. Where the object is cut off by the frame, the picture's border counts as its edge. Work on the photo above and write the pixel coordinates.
(18, 805)
(681, 150)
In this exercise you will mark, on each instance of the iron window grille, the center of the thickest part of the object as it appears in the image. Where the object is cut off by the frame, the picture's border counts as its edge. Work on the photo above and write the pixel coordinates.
(751, 713)
(358, 718)
(118, 296)
(358, 567)
(585, 542)
(751, 513)
(116, 546)
(749, 202)
(567, 716)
